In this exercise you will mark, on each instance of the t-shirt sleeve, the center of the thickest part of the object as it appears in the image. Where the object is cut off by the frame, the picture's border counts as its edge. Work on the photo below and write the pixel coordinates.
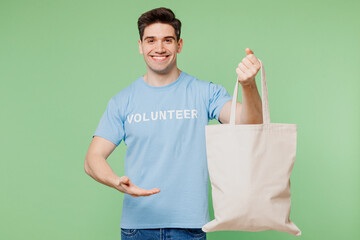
(111, 127)
(218, 97)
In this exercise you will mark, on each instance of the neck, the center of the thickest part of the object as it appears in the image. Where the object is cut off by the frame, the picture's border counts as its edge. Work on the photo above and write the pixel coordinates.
(158, 80)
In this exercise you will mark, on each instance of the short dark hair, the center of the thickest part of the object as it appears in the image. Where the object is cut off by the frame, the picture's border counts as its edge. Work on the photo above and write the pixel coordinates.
(159, 15)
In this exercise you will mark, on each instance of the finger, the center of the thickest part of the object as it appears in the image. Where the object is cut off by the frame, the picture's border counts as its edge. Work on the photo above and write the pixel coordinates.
(125, 180)
(151, 191)
(126, 184)
(247, 63)
(145, 193)
(243, 68)
(241, 75)
(142, 192)
(249, 51)
(254, 60)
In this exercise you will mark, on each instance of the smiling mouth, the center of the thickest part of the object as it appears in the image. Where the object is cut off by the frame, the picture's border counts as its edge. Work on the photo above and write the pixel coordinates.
(159, 58)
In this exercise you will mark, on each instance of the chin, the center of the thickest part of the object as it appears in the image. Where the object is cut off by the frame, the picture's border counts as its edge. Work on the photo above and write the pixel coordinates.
(160, 71)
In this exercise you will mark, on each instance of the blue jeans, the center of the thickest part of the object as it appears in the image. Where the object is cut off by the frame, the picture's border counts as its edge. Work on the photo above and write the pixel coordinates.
(163, 234)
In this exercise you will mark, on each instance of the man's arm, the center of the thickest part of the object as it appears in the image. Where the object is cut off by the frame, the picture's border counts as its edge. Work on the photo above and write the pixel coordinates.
(250, 110)
(98, 168)
(224, 116)
(96, 165)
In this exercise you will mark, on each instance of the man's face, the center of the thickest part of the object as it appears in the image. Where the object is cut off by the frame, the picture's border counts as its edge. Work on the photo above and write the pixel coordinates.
(159, 47)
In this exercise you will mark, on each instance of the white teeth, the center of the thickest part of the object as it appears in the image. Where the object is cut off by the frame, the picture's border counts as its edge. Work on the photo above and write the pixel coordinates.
(159, 58)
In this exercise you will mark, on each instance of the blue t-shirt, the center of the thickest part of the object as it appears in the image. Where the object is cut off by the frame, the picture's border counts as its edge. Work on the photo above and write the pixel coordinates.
(164, 131)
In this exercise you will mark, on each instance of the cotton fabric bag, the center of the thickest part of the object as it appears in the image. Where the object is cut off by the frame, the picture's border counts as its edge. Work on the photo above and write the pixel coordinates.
(249, 167)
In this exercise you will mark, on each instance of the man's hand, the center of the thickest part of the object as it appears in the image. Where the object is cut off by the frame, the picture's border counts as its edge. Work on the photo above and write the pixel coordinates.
(123, 184)
(248, 68)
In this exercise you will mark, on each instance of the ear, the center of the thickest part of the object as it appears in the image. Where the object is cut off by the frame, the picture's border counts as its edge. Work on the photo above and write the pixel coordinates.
(140, 48)
(180, 45)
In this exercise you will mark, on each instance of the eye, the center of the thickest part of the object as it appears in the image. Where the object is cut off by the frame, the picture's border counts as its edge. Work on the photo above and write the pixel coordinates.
(168, 40)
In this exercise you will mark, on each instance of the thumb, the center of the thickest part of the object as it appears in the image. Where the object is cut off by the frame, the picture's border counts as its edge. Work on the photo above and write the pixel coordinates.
(125, 180)
(248, 51)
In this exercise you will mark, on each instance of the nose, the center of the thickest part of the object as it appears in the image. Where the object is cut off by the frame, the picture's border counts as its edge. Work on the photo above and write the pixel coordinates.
(159, 47)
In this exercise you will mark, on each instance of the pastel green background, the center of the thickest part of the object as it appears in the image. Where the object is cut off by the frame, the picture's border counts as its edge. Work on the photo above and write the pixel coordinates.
(61, 61)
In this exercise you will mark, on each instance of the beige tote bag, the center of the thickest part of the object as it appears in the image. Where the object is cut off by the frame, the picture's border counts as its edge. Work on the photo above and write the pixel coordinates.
(249, 168)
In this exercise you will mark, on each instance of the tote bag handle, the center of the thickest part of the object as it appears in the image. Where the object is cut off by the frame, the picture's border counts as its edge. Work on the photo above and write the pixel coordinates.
(264, 96)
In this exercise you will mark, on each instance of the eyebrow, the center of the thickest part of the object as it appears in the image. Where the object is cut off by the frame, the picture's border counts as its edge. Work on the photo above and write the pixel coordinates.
(155, 37)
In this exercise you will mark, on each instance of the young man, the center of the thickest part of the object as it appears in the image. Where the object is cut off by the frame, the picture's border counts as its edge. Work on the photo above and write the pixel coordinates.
(161, 117)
